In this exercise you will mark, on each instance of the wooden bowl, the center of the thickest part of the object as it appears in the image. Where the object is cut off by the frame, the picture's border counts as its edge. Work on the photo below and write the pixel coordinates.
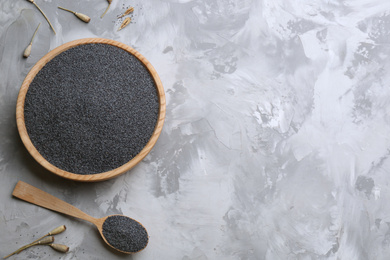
(20, 119)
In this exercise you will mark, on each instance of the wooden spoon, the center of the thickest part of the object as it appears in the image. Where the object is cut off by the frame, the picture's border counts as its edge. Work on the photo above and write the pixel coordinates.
(119, 232)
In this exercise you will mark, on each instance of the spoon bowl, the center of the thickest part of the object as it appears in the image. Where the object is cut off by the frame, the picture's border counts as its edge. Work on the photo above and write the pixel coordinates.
(120, 232)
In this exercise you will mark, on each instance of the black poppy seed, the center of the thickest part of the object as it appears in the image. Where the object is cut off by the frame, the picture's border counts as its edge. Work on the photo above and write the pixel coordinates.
(91, 109)
(125, 234)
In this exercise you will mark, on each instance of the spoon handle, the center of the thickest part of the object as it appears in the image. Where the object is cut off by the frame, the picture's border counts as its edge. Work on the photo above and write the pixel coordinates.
(38, 197)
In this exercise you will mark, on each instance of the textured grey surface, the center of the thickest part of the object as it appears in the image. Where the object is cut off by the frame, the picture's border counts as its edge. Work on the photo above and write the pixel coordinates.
(276, 140)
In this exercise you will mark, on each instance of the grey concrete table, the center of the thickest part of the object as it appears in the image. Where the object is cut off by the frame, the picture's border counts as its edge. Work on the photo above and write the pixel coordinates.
(276, 142)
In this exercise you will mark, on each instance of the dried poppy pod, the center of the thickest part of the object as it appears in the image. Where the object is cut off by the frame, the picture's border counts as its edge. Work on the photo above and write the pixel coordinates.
(55, 231)
(27, 51)
(43, 241)
(128, 11)
(125, 23)
(60, 248)
(108, 7)
(47, 19)
(82, 17)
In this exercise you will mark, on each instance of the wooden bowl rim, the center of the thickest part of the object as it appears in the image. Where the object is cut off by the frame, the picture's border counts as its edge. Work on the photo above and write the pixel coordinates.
(98, 176)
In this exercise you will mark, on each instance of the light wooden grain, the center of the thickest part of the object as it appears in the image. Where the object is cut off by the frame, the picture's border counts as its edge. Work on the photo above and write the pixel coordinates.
(29, 193)
(100, 176)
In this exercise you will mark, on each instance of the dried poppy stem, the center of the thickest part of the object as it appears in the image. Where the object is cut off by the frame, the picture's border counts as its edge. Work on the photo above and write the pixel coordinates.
(125, 23)
(55, 231)
(128, 11)
(82, 17)
(27, 51)
(60, 248)
(47, 19)
(108, 7)
(43, 241)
